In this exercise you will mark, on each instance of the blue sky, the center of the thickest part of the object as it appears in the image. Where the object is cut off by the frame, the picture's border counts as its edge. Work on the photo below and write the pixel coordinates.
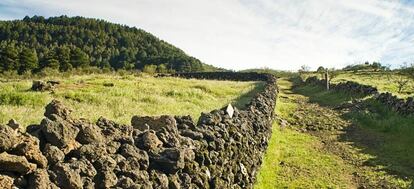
(240, 34)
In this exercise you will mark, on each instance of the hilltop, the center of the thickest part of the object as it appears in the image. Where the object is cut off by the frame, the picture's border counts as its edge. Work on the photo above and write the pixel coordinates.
(64, 43)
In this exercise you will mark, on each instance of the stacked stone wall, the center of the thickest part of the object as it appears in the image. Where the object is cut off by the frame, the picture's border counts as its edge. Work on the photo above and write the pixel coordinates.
(223, 150)
(403, 106)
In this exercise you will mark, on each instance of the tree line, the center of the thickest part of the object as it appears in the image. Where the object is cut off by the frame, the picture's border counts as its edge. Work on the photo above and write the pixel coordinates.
(64, 43)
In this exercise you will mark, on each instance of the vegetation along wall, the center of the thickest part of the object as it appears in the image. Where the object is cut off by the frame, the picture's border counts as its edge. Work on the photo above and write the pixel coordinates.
(223, 150)
(403, 106)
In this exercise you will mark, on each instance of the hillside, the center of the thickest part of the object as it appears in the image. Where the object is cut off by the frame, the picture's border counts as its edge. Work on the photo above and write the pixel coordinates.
(65, 42)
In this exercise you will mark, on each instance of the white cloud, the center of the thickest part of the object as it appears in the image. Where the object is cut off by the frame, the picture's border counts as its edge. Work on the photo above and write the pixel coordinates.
(245, 34)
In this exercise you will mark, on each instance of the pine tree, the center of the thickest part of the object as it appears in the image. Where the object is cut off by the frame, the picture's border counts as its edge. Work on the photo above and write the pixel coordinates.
(51, 61)
(79, 41)
(28, 60)
(79, 58)
(9, 58)
(63, 56)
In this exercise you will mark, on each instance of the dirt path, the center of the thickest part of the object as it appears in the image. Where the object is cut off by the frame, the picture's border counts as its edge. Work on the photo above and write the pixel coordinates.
(328, 157)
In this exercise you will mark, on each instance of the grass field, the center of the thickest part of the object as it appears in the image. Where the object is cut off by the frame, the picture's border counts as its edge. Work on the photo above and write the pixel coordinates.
(129, 96)
(383, 81)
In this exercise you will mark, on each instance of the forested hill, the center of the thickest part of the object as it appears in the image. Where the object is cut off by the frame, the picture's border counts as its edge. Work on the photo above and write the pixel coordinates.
(63, 43)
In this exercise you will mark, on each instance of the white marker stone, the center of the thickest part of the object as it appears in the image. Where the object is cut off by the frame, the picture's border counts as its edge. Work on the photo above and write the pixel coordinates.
(230, 110)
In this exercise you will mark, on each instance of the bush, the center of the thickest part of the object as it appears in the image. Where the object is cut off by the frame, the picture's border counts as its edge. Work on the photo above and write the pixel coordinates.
(20, 99)
(10, 74)
(162, 68)
(150, 69)
(86, 70)
(48, 72)
(122, 72)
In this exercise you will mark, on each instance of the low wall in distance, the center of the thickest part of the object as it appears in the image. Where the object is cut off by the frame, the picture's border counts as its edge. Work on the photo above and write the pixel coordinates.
(403, 106)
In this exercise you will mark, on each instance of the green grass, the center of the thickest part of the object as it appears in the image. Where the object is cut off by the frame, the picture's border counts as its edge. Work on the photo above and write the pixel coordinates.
(296, 160)
(299, 160)
(396, 137)
(320, 95)
(131, 95)
(383, 81)
(384, 134)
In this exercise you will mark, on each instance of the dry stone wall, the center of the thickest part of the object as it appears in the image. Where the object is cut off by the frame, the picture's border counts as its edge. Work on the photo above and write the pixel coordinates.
(220, 151)
(403, 106)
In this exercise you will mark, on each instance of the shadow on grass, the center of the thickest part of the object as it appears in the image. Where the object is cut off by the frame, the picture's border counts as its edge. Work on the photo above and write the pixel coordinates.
(377, 130)
(243, 100)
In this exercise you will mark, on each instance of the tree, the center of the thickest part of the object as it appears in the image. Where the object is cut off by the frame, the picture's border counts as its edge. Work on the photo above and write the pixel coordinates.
(50, 61)
(63, 56)
(401, 83)
(79, 58)
(401, 79)
(28, 60)
(80, 42)
(377, 66)
(9, 58)
(409, 71)
(320, 69)
(304, 68)
(333, 74)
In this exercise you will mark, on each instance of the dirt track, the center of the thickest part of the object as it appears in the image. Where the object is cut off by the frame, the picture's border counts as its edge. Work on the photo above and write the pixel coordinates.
(337, 137)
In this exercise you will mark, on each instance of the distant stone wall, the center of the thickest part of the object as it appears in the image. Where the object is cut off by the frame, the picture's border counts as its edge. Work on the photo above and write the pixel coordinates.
(223, 150)
(403, 106)
(231, 76)
(400, 105)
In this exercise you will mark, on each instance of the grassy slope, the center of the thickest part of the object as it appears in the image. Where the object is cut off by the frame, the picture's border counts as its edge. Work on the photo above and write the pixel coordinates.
(384, 82)
(130, 96)
(295, 159)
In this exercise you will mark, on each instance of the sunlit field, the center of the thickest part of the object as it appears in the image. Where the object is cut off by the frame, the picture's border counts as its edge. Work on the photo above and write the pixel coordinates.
(88, 96)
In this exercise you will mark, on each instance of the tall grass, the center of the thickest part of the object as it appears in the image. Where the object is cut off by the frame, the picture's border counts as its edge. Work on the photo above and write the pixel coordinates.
(130, 95)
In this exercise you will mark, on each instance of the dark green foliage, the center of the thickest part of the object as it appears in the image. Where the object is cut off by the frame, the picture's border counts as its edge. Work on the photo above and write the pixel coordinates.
(278, 73)
(375, 66)
(162, 68)
(9, 58)
(63, 56)
(321, 69)
(150, 69)
(409, 71)
(28, 60)
(70, 42)
(50, 61)
(79, 59)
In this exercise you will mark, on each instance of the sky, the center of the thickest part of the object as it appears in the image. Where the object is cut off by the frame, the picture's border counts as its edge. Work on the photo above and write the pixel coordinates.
(242, 34)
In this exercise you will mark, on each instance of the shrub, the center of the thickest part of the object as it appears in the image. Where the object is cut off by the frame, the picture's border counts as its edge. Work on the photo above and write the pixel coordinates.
(48, 72)
(150, 69)
(19, 99)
